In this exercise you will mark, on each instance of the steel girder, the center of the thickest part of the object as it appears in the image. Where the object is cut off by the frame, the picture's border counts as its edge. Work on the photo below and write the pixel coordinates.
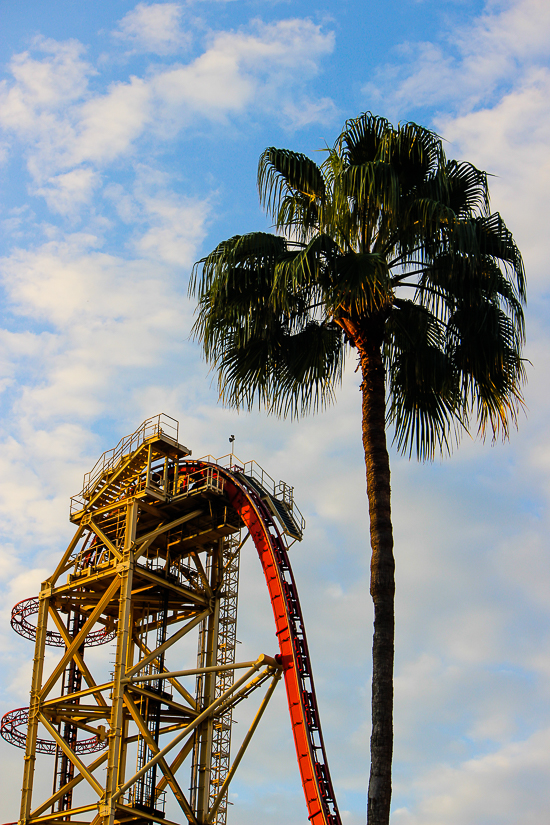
(155, 556)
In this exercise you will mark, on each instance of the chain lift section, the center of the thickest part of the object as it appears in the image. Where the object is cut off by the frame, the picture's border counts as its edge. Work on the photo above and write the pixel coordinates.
(156, 556)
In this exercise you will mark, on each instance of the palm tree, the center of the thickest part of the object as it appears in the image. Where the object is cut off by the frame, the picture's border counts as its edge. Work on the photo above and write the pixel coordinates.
(390, 249)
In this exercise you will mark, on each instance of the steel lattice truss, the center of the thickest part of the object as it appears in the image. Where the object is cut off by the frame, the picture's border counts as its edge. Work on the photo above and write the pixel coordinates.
(155, 557)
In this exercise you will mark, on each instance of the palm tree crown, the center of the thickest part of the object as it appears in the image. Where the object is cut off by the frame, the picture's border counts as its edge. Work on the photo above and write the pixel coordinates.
(390, 248)
(387, 239)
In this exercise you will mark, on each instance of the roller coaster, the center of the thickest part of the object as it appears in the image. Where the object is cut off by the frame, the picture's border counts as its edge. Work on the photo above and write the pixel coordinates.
(155, 556)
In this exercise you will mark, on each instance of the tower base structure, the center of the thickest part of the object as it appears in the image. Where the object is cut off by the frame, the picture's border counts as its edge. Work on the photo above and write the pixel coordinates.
(155, 559)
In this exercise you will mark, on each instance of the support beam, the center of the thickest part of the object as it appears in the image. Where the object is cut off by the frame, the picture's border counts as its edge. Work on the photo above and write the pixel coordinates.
(202, 573)
(124, 635)
(242, 749)
(77, 657)
(34, 707)
(267, 660)
(165, 674)
(106, 541)
(67, 697)
(79, 638)
(235, 552)
(71, 755)
(182, 592)
(178, 761)
(99, 732)
(66, 556)
(68, 787)
(148, 537)
(182, 709)
(58, 815)
(168, 643)
(153, 747)
(245, 691)
(191, 727)
(138, 812)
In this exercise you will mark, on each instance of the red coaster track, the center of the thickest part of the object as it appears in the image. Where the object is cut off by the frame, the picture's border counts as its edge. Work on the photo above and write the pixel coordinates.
(291, 633)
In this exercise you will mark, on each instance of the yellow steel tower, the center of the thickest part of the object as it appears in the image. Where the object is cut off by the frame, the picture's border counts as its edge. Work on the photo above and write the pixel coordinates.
(154, 556)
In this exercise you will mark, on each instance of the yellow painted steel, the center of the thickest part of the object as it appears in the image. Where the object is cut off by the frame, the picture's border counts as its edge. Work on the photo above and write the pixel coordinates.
(154, 555)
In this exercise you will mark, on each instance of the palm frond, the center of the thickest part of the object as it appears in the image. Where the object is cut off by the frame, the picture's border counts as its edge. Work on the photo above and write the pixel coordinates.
(484, 345)
(244, 254)
(287, 374)
(283, 174)
(424, 403)
(305, 269)
(468, 192)
(298, 215)
(424, 221)
(374, 183)
(414, 152)
(496, 240)
(360, 141)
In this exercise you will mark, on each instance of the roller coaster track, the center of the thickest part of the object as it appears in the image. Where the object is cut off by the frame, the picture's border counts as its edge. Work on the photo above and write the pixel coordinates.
(294, 654)
(268, 513)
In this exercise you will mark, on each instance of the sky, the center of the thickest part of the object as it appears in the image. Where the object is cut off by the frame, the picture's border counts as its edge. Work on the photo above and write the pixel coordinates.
(129, 141)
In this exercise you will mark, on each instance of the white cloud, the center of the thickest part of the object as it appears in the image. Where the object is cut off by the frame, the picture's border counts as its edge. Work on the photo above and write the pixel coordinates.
(167, 227)
(108, 124)
(153, 27)
(108, 314)
(67, 192)
(502, 788)
(70, 134)
(301, 113)
(176, 227)
(241, 68)
(471, 65)
(42, 86)
(510, 140)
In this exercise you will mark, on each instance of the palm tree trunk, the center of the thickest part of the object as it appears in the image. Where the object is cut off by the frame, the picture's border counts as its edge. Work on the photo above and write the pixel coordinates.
(382, 585)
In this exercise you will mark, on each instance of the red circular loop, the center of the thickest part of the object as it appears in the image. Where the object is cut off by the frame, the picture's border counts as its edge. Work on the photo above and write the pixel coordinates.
(19, 718)
(29, 607)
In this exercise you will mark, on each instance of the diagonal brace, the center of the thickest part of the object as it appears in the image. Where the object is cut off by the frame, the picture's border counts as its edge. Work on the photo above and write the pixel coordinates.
(70, 754)
(77, 657)
(69, 786)
(242, 749)
(154, 748)
(168, 643)
(209, 711)
(79, 638)
(106, 541)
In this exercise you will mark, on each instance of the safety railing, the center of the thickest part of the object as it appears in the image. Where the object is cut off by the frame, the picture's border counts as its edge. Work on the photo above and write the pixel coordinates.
(199, 481)
(279, 490)
(160, 424)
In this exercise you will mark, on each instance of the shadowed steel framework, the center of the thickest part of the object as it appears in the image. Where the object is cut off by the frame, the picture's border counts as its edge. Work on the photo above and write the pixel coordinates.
(154, 559)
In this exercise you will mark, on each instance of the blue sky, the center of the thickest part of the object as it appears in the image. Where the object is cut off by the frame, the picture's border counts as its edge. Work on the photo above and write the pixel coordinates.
(129, 139)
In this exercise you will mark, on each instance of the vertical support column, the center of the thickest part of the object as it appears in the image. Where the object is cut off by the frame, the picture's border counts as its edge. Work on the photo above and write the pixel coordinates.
(225, 655)
(124, 636)
(203, 745)
(34, 708)
(123, 753)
